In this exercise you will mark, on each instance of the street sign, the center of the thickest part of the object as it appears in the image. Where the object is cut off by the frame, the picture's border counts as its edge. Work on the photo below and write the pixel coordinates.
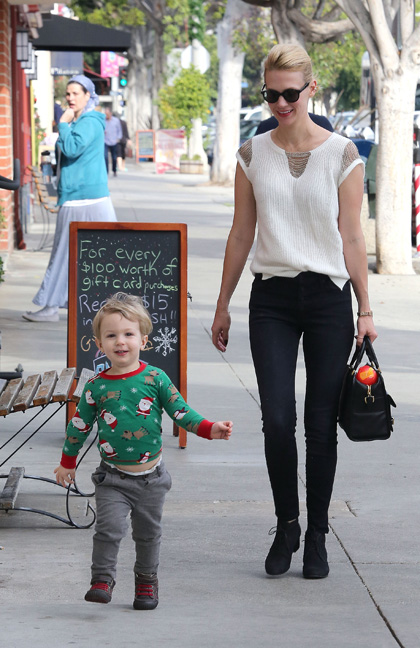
(197, 56)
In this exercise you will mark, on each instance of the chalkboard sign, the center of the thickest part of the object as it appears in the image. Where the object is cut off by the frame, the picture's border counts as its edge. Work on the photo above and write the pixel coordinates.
(145, 144)
(146, 259)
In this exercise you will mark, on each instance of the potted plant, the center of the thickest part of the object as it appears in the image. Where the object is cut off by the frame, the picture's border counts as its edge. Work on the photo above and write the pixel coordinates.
(187, 99)
(191, 165)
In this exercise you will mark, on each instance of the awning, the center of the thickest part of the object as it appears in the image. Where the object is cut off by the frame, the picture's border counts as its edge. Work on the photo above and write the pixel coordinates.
(60, 34)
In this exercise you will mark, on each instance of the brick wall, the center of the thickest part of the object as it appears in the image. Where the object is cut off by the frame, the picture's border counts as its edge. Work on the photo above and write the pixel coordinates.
(6, 130)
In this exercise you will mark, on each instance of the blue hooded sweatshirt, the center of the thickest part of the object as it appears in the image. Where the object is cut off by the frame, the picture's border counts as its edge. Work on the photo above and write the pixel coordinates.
(82, 168)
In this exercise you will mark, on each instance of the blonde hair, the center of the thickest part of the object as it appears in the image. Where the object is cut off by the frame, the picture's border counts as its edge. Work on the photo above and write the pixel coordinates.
(129, 306)
(289, 57)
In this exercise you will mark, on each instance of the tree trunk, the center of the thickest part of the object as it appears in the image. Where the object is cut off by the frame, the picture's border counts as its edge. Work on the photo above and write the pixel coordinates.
(157, 78)
(139, 103)
(285, 29)
(231, 64)
(395, 71)
(292, 25)
(394, 171)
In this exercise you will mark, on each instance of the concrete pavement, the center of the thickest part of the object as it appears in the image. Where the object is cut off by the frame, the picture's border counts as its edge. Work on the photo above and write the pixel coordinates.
(213, 589)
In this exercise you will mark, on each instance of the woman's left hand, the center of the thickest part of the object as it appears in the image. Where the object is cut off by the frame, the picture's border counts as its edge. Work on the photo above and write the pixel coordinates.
(365, 326)
(67, 116)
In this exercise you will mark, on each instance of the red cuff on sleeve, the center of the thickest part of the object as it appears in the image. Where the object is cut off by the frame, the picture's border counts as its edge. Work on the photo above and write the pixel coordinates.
(204, 429)
(68, 462)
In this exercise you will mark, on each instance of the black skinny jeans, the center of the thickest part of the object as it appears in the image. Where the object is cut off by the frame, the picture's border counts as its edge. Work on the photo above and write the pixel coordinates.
(281, 311)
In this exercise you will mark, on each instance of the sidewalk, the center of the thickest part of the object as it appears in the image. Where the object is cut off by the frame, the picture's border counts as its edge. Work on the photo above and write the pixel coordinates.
(213, 589)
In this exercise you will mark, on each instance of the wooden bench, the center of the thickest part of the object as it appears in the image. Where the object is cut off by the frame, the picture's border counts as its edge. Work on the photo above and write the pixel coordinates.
(19, 395)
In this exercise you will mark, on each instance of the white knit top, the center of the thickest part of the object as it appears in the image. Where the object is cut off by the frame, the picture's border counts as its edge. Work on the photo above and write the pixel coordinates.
(297, 205)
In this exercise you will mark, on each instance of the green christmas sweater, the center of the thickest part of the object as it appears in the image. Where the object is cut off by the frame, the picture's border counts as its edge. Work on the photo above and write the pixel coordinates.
(128, 411)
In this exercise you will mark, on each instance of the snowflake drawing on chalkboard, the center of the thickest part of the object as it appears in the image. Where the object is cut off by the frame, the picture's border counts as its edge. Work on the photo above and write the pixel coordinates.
(165, 340)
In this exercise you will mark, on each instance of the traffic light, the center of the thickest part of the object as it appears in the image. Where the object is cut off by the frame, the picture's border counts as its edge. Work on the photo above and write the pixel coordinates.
(123, 77)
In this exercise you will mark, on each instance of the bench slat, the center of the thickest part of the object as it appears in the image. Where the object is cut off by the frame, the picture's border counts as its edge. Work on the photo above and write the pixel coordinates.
(84, 377)
(9, 395)
(46, 388)
(63, 385)
(27, 392)
(11, 488)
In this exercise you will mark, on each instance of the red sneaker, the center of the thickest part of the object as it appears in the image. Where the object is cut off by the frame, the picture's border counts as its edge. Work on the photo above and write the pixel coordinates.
(100, 592)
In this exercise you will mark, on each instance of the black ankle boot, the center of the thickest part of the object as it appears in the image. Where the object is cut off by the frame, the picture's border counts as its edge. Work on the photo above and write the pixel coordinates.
(315, 563)
(285, 544)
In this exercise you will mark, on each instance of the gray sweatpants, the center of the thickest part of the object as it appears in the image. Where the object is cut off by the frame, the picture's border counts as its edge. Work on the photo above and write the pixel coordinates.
(118, 494)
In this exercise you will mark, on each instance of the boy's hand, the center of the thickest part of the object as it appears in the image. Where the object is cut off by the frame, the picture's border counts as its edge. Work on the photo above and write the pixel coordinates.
(221, 430)
(64, 475)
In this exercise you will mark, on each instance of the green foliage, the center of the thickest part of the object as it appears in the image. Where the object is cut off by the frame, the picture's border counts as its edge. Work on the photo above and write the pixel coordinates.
(338, 67)
(255, 38)
(196, 21)
(176, 33)
(175, 24)
(212, 74)
(114, 13)
(93, 60)
(1, 270)
(348, 88)
(188, 98)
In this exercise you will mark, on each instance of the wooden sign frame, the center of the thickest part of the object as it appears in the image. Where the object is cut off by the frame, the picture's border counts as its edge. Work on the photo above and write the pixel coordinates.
(76, 228)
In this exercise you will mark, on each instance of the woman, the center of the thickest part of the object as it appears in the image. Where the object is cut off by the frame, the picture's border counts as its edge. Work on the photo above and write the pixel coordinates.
(83, 193)
(303, 186)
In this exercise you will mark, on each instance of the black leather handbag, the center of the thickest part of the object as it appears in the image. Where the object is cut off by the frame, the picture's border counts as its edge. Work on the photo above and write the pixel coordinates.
(365, 410)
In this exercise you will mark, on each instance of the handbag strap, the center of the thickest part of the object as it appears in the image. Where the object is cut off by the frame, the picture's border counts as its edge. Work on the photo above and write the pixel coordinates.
(365, 347)
(358, 355)
(371, 353)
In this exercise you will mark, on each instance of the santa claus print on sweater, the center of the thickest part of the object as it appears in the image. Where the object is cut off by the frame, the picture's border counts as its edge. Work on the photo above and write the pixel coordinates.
(109, 418)
(79, 423)
(107, 449)
(144, 406)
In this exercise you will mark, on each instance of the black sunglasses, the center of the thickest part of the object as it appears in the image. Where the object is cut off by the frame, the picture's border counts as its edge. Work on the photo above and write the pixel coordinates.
(290, 95)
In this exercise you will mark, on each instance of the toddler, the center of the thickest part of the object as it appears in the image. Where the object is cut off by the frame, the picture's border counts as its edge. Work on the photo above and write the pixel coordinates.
(126, 401)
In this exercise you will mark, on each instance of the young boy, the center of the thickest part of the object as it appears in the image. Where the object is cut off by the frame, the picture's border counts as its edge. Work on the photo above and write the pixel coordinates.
(126, 401)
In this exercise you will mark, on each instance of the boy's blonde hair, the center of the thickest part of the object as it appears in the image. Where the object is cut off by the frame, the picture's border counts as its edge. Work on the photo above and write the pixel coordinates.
(289, 57)
(129, 306)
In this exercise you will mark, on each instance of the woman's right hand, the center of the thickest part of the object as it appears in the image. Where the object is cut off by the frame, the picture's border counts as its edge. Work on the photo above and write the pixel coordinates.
(220, 329)
(67, 116)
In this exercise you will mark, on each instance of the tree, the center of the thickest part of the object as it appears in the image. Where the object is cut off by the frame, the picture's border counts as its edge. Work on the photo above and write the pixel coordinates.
(187, 99)
(337, 68)
(231, 60)
(393, 42)
(305, 21)
(255, 38)
(320, 22)
(148, 21)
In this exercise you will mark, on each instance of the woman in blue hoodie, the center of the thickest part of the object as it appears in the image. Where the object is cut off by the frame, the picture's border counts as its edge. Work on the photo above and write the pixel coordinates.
(83, 193)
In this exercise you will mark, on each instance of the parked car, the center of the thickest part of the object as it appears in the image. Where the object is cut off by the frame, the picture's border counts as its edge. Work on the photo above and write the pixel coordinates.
(251, 114)
(341, 119)
(247, 130)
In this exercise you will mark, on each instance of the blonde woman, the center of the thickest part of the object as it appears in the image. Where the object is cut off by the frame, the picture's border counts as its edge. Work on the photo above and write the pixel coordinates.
(301, 187)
